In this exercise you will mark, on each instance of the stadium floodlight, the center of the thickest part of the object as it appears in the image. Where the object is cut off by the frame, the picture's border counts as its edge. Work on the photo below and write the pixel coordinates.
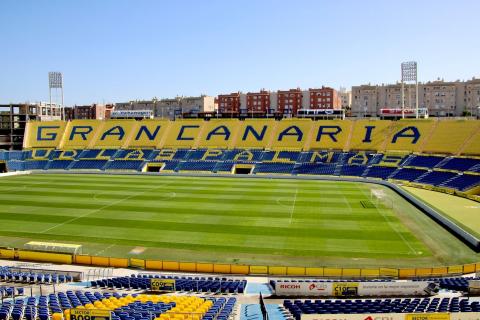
(409, 74)
(55, 81)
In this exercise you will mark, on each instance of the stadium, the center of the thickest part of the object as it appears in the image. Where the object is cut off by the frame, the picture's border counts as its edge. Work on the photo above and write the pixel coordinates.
(198, 219)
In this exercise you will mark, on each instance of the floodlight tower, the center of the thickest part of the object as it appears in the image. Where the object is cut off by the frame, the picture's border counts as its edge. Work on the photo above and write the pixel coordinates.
(55, 83)
(409, 75)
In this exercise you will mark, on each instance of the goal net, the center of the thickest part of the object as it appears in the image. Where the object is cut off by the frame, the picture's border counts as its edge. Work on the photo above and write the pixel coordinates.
(380, 198)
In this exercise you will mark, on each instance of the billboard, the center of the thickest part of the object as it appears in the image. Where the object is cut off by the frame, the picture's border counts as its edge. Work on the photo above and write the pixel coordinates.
(349, 289)
(162, 284)
(90, 314)
(406, 111)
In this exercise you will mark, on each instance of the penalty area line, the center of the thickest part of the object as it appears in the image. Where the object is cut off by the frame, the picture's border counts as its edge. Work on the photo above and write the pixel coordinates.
(293, 205)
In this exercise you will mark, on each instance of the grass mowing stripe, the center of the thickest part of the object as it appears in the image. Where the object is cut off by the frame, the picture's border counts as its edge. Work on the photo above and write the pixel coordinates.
(339, 252)
(302, 232)
(221, 217)
(213, 210)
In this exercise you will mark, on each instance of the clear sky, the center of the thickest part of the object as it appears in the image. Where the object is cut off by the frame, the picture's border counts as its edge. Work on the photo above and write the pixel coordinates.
(115, 50)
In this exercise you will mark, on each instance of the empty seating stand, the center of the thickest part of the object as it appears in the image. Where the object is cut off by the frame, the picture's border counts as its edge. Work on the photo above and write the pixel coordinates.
(273, 167)
(125, 165)
(31, 277)
(460, 164)
(436, 178)
(458, 173)
(197, 166)
(315, 168)
(462, 182)
(379, 172)
(59, 164)
(182, 283)
(352, 170)
(124, 306)
(407, 305)
(423, 161)
(89, 164)
(408, 174)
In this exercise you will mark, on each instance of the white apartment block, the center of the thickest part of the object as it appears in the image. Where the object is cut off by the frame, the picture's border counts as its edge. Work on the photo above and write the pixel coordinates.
(441, 98)
(171, 108)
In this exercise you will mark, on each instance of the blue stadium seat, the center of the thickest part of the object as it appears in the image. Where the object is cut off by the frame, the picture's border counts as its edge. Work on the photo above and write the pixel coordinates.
(35, 164)
(274, 167)
(59, 164)
(435, 178)
(423, 161)
(462, 182)
(397, 305)
(196, 166)
(352, 170)
(315, 168)
(408, 174)
(380, 172)
(135, 165)
(89, 164)
(460, 164)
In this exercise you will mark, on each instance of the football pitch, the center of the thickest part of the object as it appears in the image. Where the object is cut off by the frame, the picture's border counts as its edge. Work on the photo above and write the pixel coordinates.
(225, 220)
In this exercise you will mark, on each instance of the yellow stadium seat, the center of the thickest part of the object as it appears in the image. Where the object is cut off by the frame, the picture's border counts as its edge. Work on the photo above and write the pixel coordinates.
(330, 135)
(369, 135)
(291, 134)
(183, 134)
(449, 136)
(408, 135)
(57, 316)
(115, 134)
(218, 134)
(44, 134)
(254, 134)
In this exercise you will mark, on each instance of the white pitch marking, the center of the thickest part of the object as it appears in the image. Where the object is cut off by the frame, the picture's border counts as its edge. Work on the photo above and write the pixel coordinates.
(103, 207)
(104, 249)
(293, 206)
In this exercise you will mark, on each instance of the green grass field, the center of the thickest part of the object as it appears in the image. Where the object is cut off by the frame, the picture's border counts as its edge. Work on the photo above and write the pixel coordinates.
(464, 212)
(231, 220)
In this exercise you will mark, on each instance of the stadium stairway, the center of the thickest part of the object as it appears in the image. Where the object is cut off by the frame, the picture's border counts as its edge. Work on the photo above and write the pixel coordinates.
(70, 166)
(443, 162)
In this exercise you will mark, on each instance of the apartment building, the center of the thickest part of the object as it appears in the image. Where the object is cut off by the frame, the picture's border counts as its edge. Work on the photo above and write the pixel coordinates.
(258, 102)
(345, 98)
(323, 98)
(171, 108)
(94, 111)
(441, 98)
(365, 101)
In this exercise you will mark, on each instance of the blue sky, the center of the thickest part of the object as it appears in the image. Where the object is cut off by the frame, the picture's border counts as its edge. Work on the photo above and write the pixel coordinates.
(115, 50)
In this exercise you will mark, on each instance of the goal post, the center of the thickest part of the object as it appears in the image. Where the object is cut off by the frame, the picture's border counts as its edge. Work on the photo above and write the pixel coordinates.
(380, 198)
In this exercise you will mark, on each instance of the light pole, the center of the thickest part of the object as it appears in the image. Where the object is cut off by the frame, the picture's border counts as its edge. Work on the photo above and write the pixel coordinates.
(409, 74)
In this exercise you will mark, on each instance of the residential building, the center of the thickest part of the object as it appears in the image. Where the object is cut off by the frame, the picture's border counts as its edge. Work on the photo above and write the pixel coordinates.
(472, 97)
(364, 101)
(229, 103)
(94, 111)
(289, 101)
(48, 112)
(439, 97)
(345, 98)
(171, 108)
(323, 98)
(258, 102)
